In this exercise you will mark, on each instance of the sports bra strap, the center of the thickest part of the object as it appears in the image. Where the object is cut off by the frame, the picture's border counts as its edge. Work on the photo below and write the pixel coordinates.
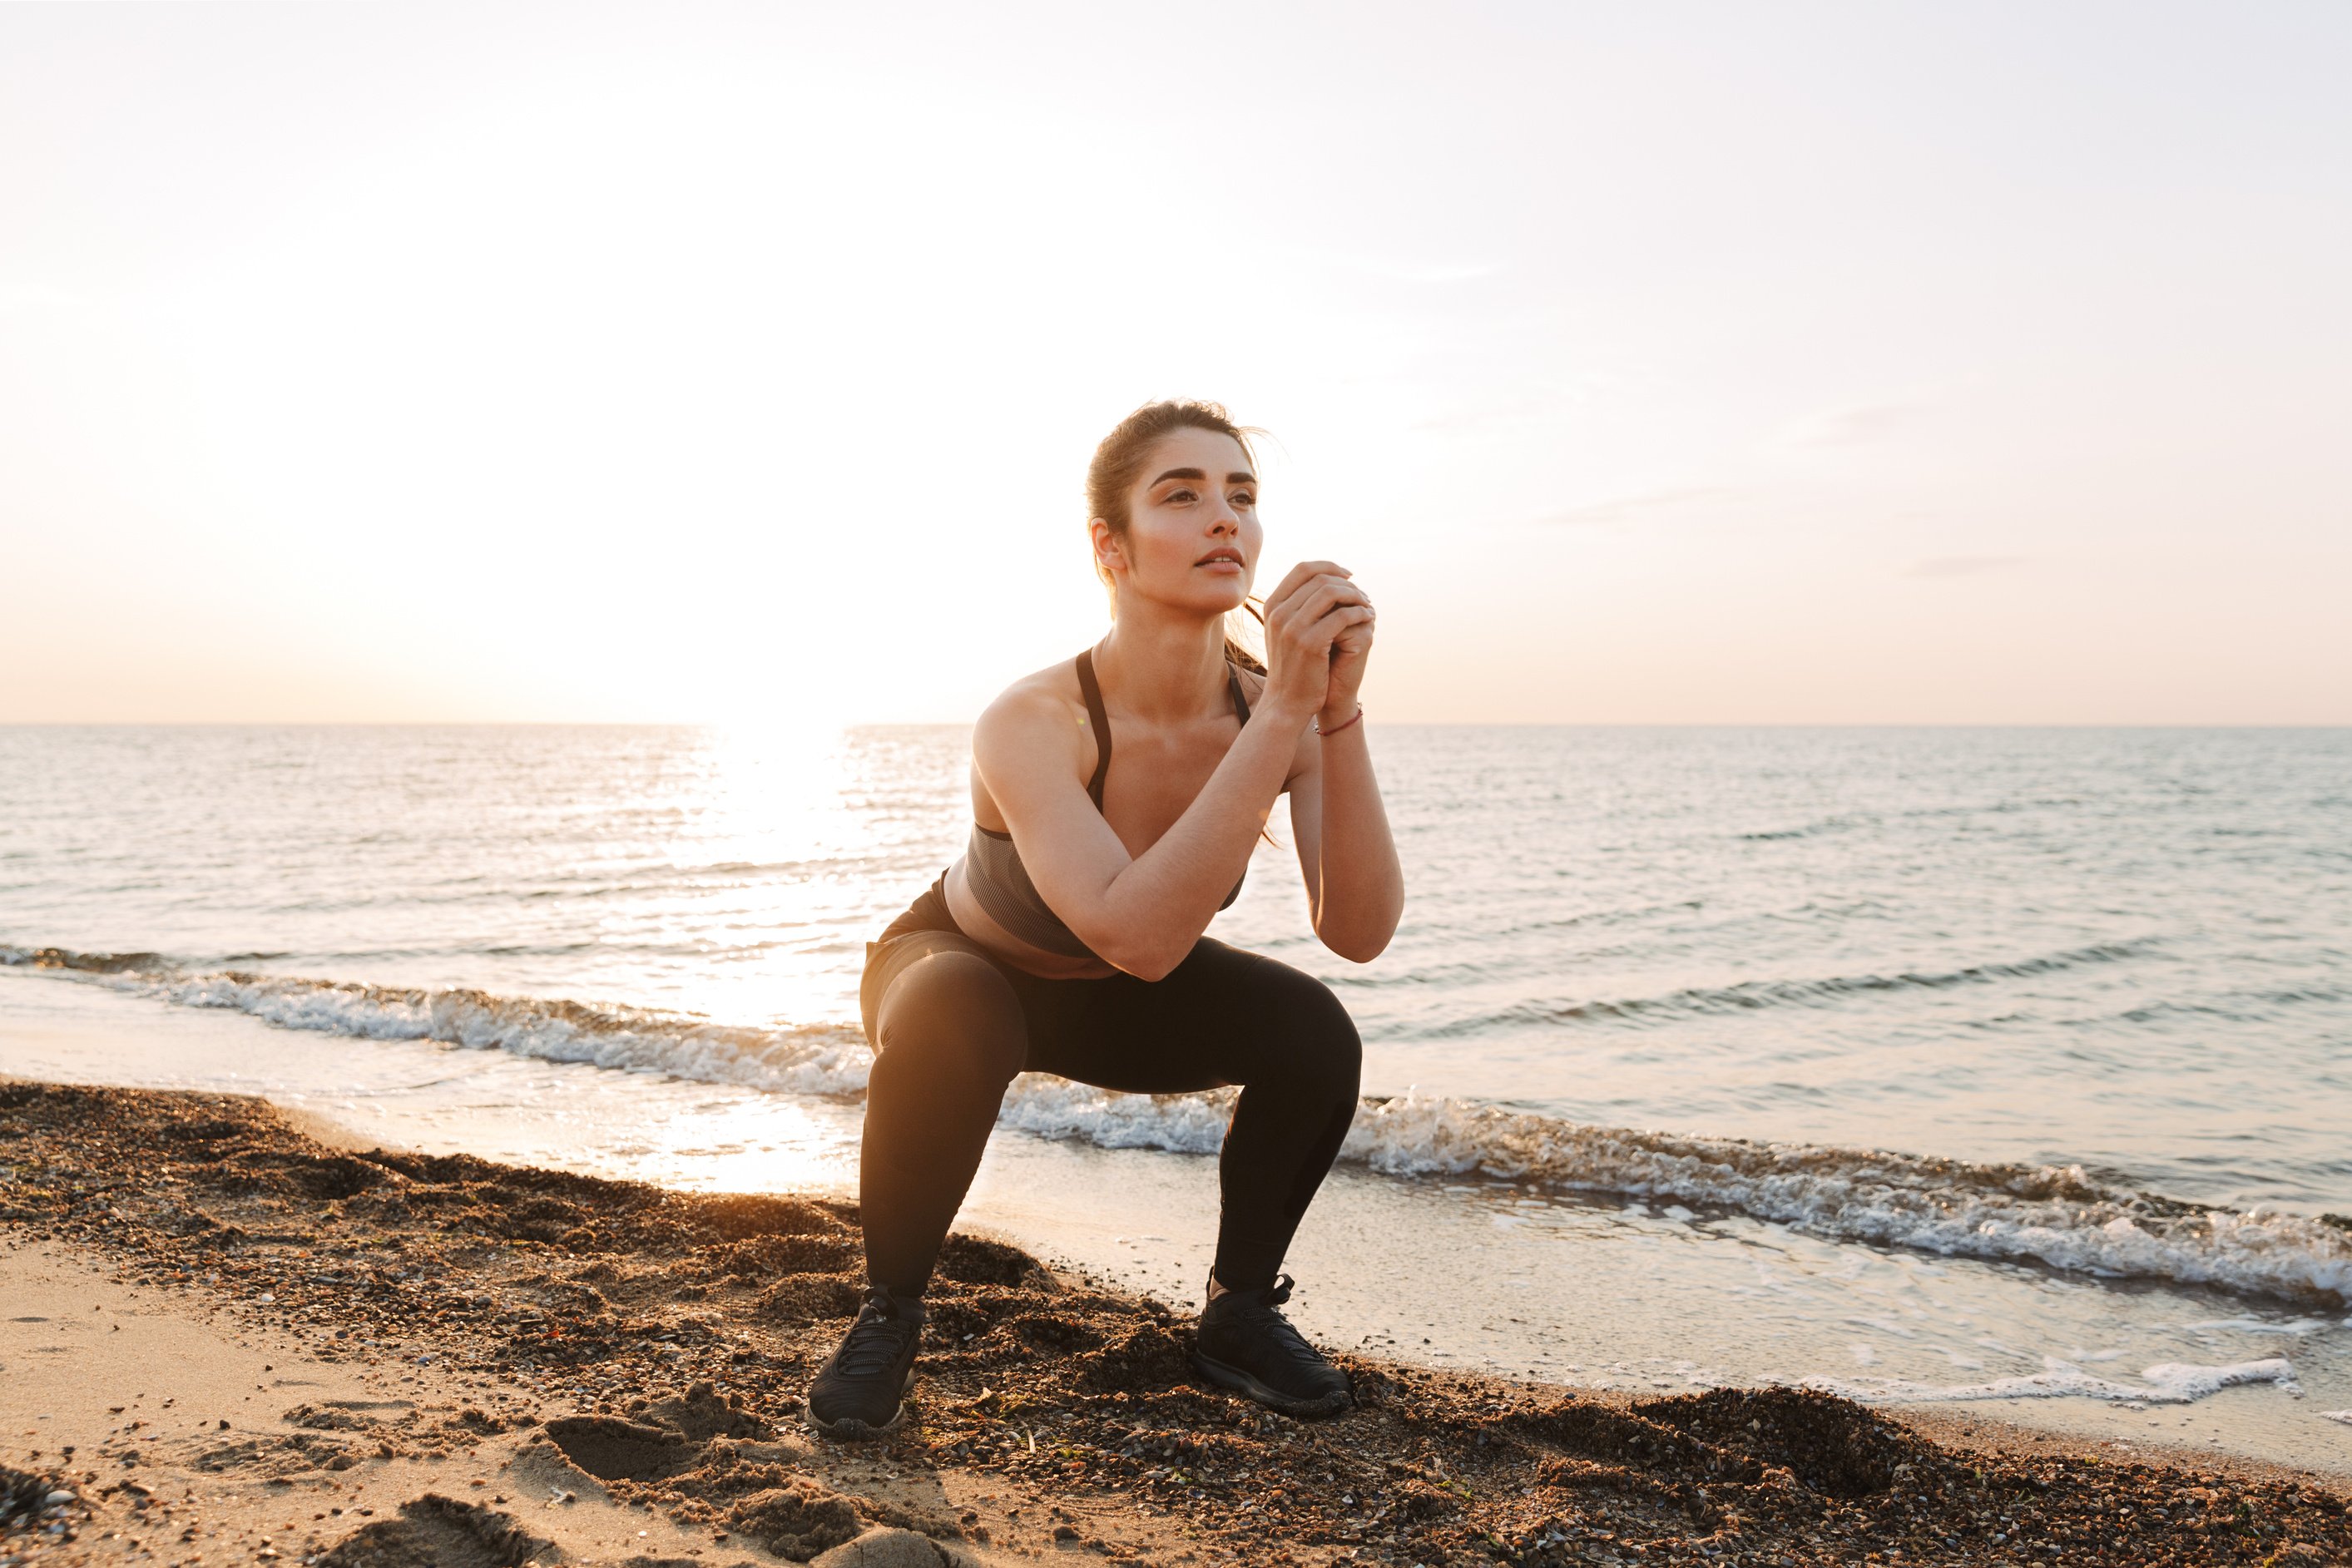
(1097, 715)
(1100, 718)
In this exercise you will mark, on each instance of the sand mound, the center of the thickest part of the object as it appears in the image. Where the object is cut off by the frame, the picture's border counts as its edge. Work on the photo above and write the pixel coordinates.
(1834, 1446)
(885, 1549)
(798, 1520)
(701, 1415)
(436, 1531)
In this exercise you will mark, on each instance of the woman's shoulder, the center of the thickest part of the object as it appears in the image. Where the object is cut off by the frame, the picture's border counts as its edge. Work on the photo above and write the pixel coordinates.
(1042, 705)
(1050, 691)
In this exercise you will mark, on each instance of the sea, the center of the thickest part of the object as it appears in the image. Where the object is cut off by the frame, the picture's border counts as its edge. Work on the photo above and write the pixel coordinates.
(1999, 1068)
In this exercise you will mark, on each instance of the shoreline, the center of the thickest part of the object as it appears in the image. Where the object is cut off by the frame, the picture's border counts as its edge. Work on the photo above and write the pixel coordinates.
(1626, 1292)
(424, 1323)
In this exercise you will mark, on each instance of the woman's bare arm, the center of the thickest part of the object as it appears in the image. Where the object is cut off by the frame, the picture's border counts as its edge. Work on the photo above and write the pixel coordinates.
(1141, 913)
(1355, 886)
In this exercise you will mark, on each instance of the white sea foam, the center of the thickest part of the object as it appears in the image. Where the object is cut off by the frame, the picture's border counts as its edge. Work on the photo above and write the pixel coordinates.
(2186, 1381)
(2263, 1325)
(814, 1060)
(2054, 1216)
(2050, 1215)
(2172, 1382)
(1056, 1108)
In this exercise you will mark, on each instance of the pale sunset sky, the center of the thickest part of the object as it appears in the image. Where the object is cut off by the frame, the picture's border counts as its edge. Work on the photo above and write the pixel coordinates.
(1649, 363)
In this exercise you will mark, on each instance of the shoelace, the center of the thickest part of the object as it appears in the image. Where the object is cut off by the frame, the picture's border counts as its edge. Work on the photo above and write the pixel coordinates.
(875, 1339)
(1260, 1307)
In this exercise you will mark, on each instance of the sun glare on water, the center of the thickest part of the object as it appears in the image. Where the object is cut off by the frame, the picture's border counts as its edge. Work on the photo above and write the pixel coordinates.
(754, 1144)
(763, 826)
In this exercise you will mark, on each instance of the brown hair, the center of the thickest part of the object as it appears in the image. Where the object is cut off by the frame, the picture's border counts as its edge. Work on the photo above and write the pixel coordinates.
(1120, 458)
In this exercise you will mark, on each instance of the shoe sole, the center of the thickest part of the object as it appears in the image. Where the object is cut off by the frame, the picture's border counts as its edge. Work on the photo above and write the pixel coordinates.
(1241, 1382)
(850, 1429)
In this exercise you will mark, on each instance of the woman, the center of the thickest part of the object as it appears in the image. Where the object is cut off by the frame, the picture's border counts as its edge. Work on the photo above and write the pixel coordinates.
(1067, 938)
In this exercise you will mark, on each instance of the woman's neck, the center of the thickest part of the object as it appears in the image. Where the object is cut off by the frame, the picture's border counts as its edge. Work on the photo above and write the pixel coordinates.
(1167, 668)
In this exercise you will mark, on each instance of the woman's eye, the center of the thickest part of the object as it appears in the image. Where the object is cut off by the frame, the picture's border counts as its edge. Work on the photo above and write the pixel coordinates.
(1245, 499)
(1181, 495)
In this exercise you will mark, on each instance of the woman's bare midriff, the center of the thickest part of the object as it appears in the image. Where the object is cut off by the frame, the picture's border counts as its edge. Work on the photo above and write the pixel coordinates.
(1021, 954)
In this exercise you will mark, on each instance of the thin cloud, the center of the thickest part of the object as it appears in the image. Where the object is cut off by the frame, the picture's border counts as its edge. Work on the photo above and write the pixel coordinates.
(1963, 565)
(1854, 426)
(34, 298)
(1646, 507)
(1519, 413)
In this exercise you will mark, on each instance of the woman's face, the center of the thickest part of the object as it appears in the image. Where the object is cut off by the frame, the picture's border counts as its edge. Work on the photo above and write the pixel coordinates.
(1195, 500)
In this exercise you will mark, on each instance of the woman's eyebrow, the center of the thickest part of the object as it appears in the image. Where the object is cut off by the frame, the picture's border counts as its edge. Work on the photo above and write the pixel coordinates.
(1243, 477)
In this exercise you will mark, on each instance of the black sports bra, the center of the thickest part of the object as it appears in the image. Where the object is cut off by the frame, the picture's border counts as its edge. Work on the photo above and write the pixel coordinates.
(993, 867)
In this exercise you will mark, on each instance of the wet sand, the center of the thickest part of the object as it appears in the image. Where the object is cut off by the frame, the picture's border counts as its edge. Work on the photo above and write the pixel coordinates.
(229, 1339)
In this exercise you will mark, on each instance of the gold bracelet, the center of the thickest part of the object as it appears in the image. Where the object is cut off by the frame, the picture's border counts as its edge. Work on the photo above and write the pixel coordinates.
(1318, 722)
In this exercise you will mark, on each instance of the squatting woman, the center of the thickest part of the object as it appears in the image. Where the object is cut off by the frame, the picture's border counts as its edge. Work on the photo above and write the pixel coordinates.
(1115, 798)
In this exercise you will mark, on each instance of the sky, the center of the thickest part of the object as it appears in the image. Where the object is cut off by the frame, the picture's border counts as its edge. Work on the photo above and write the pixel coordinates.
(1676, 363)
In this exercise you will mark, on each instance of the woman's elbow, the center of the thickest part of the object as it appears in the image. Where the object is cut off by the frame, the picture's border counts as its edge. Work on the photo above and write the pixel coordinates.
(1362, 944)
(1357, 952)
(1143, 966)
(1147, 958)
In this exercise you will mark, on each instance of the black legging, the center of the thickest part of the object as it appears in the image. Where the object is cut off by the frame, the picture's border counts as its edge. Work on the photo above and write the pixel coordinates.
(950, 1024)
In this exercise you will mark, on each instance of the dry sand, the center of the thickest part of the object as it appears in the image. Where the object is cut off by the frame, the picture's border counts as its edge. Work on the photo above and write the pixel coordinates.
(228, 1340)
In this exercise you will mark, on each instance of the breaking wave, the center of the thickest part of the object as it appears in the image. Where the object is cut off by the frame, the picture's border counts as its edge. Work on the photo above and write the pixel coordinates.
(822, 1058)
(2058, 1217)
(1750, 995)
(2054, 1216)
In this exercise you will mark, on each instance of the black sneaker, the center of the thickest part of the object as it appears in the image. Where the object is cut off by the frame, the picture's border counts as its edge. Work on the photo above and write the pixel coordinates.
(1243, 1342)
(861, 1390)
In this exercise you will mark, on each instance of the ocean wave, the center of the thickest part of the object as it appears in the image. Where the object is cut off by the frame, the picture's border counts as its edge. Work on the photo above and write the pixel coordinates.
(2056, 1216)
(2059, 1216)
(2172, 1382)
(1849, 822)
(1749, 996)
(821, 1058)
(1810, 830)
(83, 962)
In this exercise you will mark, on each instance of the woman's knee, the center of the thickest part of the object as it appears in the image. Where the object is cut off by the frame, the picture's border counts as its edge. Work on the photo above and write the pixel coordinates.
(1312, 1038)
(951, 1009)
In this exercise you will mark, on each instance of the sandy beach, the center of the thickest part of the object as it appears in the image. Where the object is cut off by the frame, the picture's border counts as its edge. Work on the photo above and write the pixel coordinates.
(231, 1339)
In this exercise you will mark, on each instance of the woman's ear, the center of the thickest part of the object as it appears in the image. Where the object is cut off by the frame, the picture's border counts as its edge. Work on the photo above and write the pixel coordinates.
(1107, 554)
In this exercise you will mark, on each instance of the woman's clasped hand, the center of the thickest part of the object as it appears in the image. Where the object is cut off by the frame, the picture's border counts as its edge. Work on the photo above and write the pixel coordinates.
(1318, 633)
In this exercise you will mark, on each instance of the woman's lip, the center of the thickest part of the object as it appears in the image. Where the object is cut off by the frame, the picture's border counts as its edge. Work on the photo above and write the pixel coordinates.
(1221, 561)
